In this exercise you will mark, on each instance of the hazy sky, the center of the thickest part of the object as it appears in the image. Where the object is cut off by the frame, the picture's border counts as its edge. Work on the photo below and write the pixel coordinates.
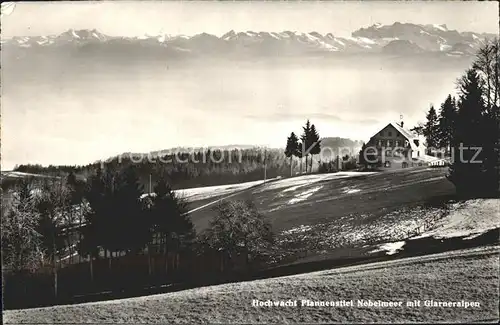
(180, 17)
(61, 113)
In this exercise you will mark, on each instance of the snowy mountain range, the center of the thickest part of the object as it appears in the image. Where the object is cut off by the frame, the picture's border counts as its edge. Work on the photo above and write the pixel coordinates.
(398, 38)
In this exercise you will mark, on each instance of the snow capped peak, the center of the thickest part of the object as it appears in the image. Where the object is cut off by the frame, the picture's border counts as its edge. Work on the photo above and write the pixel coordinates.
(362, 41)
(74, 34)
(274, 35)
(441, 27)
(160, 37)
(288, 33)
(311, 37)
(96, 35)
(330, 36)
(372, 39)
(229, 35)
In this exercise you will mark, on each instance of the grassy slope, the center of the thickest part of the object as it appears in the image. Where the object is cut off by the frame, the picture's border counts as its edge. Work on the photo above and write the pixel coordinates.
(333, 222)
(378, 192)
(378, 196)
(471, 275)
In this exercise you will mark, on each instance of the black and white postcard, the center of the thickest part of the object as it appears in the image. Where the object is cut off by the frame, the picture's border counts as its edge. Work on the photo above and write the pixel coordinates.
(256, 162)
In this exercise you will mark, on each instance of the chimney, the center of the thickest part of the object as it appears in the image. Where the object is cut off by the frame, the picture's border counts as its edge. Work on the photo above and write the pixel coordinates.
(402, 123)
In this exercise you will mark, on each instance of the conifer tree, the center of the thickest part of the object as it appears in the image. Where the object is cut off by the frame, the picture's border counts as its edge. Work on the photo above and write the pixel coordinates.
(468, 172)
(292, 146)
(315, 143)
(447, 117)
(306, 141)
(431, 128)
(169, 218)
(300, 154)
(130, 211)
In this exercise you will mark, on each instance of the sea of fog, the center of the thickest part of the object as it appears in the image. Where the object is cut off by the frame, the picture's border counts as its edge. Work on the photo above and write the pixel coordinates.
(75, 111)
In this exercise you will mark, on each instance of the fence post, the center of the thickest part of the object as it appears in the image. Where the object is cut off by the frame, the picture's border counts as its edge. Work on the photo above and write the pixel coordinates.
(149, 260)
(55, 280)
(91, 262)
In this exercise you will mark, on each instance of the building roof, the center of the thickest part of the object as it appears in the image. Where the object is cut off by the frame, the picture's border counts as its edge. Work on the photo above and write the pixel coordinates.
(409, 135)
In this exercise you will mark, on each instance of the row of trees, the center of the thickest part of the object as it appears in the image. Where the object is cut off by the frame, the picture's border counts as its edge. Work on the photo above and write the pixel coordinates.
(467, 126)
(475, 136)
(309, 144)
(54, 219)
(439, 126)
(186, 168)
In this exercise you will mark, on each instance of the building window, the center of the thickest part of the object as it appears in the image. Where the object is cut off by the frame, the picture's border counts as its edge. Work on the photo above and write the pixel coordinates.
(390, 133)
(380, 143)
(388, 143)
(397, 143)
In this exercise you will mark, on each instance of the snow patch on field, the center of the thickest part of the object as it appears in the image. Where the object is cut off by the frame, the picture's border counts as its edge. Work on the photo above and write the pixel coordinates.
(292, 184)
(390, 248)
(304, 195)
(366, 229)
(291, 189)
(288, 184)
(470, 218)
(299, 229)
(207, 192)
(352, 190)
(201, 193)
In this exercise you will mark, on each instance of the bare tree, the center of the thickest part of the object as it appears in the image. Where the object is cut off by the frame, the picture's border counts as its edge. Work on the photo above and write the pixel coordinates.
(487, 64)
(21, 242)
(239, 228)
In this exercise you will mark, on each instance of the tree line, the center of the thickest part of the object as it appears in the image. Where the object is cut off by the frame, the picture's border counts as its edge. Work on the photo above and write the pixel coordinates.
(467, 126)
(110, 215)
(185, 168)
(309, 144)
(438, 127)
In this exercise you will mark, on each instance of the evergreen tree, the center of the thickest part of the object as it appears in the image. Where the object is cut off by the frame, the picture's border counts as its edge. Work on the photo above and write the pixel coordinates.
(367, 158)
(98, 229)
(169, 219)
(468, 172)
(306, 141)
(292, 146)
(131, 228)
(299, 154)
(447, 116)
(315, 143)
(362, 158)
(431, 129)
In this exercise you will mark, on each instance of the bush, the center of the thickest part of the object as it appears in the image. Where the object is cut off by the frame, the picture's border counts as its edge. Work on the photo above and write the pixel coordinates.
(327, 167)
(238, 228)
